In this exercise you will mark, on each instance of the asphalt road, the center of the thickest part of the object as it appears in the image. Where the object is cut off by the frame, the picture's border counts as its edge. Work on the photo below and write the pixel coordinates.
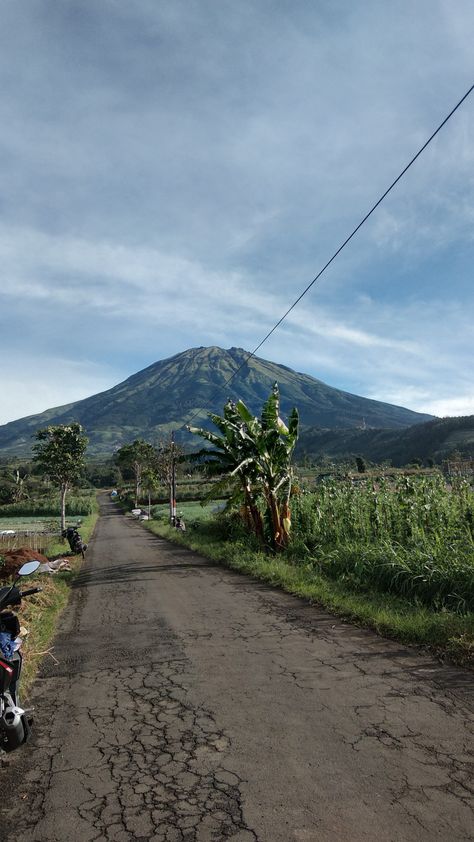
(193, 704)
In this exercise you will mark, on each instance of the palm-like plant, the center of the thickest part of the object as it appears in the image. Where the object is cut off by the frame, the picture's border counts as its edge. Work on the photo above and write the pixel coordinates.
(232, 459)
(275, 443)
(257, 453)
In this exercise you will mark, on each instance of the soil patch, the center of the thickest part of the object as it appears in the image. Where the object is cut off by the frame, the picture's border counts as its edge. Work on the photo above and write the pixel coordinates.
(14, 559)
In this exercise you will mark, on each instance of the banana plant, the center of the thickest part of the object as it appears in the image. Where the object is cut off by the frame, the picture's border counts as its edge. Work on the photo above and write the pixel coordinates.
(275, 443)
(231, 458)
(256, 452)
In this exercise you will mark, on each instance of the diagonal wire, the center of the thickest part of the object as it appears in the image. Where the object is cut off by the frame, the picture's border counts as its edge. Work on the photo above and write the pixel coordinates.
(336, 253)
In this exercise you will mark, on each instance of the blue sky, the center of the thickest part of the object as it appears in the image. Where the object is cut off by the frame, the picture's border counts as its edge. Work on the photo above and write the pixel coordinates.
(175, 173)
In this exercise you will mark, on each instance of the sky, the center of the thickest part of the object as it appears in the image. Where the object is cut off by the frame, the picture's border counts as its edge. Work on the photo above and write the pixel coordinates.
(173, 173)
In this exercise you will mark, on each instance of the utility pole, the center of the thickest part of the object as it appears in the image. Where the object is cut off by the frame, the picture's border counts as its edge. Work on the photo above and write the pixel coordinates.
(173, 483)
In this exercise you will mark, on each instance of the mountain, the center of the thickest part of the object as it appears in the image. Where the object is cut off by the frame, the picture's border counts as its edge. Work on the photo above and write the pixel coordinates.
(164, 397)
(434, 440)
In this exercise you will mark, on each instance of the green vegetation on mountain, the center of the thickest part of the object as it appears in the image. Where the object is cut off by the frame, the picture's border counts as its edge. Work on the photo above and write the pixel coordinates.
(435, 440)
(167, 394)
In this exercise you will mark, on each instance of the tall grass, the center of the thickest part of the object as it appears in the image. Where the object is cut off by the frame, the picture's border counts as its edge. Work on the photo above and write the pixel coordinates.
(413, 537)
(223, 540)
(78, 504)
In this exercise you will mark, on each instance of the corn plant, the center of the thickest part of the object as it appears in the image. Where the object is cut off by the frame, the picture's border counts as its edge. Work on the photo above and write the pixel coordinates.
(413, 537)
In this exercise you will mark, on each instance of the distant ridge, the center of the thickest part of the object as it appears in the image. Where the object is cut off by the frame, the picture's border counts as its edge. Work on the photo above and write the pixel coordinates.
(163, 396)
(435, 440)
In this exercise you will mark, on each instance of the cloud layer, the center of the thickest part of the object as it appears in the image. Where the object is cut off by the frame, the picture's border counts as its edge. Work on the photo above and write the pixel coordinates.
(175, 174)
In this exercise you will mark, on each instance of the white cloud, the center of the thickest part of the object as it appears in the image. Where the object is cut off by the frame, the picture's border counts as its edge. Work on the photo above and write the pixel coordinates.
(459, 405)
(32, 385)
(174, 175)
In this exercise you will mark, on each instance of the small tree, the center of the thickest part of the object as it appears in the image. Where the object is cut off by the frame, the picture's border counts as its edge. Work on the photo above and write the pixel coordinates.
(169, 456)
(151, 483)
(137, 456)
(60, 454)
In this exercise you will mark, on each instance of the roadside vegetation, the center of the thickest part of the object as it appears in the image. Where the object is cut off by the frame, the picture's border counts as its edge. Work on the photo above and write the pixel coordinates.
(220, 537)
(392, 550)
(389, 548)
(36, 501)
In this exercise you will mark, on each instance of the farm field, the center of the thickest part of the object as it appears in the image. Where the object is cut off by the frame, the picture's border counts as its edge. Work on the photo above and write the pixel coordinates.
(26, 523)
(36, 533)
(190, 511)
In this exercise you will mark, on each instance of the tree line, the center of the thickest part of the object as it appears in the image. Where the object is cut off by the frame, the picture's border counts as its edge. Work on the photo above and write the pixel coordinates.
(249, 458)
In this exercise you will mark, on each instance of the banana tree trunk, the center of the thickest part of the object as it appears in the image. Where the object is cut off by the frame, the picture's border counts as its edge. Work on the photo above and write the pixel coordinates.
(279, 536)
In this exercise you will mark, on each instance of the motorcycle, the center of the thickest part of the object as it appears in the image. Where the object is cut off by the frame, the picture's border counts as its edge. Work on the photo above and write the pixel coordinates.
(14, 722)
(75, 541)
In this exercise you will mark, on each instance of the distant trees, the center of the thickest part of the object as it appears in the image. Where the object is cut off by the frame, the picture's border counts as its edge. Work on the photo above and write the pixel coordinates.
(59, 453)
(103, 474)
(14, 484)
(256, 453)
(151, 467)
(361, 466)
(138, 456)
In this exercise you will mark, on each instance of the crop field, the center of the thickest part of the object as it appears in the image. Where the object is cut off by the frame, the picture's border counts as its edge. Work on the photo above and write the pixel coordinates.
(189, 511)
(34, 532)
(37, 524)
(409, 536)
(413, 537)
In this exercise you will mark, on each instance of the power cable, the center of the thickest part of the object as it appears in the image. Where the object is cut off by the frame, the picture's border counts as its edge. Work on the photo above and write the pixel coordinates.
(336, 253)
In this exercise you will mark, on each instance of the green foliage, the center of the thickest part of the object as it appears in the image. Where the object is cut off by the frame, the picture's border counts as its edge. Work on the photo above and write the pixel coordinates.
(75, 506)
(163, 397)
(256, 454)
(413, 537)
(361, 466)
(7, 492)
(389, 614)
(60, 452)
(103, 474)
(427, 443)
(140, 458)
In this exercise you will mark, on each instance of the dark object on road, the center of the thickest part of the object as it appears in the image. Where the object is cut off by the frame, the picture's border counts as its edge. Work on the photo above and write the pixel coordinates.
(75, 541)
(14, 723)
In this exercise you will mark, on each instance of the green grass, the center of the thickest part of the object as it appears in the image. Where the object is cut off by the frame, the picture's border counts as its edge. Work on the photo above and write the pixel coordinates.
(449, 634)
(40, 614)
(59, 545)
(189, 511)
(11, 522)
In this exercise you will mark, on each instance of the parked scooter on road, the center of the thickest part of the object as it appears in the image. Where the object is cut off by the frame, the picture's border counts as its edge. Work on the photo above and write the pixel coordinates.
(14, 722)
(75, 541)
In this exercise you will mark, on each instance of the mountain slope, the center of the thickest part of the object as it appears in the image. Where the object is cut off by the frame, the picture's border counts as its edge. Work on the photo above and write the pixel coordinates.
(165, 395)
(435, 440)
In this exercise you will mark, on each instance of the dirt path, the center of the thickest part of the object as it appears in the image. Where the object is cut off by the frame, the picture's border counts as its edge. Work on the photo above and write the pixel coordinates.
(192, 704)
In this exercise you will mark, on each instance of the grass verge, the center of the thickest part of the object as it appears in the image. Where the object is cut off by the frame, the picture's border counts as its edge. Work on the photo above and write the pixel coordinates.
(449, 635)
(40, 614)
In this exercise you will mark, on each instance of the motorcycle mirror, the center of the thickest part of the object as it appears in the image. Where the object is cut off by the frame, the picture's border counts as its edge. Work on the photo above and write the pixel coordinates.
(28, 568)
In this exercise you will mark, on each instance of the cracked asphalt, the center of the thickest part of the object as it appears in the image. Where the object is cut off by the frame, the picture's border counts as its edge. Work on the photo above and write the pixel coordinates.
(193, 704)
